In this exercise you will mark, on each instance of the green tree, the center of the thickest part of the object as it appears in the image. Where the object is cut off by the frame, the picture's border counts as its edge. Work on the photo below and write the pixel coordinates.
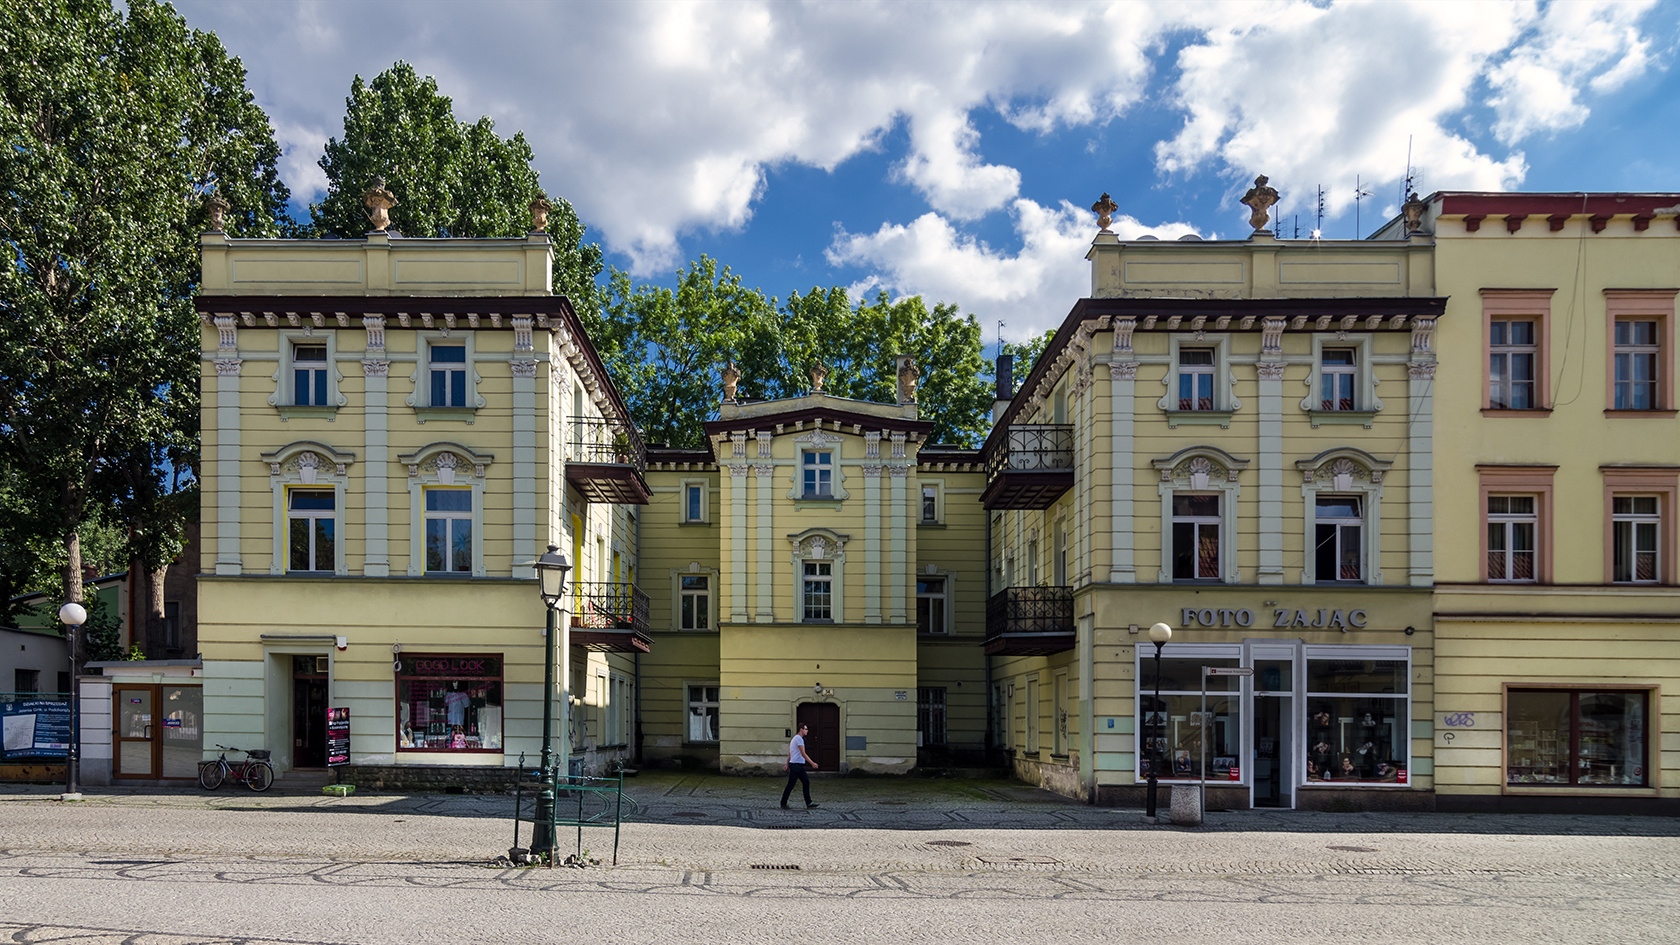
(116, 125)
(450, 178)
(1026, 355)
(665, 347)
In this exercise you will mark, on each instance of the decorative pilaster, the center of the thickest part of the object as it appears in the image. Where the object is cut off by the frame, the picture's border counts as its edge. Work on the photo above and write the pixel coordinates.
(1420, 472)
(872, 562)
(228, 559)
(1270, 461)
(1122, 392)
(738, 536)
(899, 539)
(765, 577)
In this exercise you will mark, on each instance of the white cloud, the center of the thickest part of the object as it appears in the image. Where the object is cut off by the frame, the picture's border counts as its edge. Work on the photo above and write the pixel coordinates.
(1316, 95)
(1031, 290)
(1572, 47)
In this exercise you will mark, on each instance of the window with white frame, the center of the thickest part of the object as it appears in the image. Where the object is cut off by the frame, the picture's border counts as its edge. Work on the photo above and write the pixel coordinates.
(694, 604)
(310, 375)
(447, 374)
(702, 714)
(1513, 353)
(930, 504)
(1638, 350)
(1196, 527)
(1513, 523)
(311, 529)
(449, 529)
(1339, 525)
(1337, 371)
(930, 604)
(1195, 379)
(1635, 528)
(693, 502)
(816, 469)
(817, 591)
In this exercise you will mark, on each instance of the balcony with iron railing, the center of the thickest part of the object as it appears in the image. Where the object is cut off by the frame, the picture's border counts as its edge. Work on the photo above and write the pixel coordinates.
(607, 461)
(1028, 466)
(1030, 621)
(610, 617)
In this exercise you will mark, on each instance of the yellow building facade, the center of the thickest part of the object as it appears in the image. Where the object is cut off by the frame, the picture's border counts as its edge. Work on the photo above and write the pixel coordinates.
(1232, 438)
(393, 430)
(1557, 465)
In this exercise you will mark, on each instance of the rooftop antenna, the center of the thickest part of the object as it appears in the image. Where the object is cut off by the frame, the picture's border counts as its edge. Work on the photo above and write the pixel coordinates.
(1359, 193)
(1318, 221)
(1409, 185)
(1000, 336)
(1297, 218)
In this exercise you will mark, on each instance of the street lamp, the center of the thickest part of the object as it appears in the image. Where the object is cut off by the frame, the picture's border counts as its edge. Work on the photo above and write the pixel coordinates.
(72, 615)
(1159, 634)
(551, 584)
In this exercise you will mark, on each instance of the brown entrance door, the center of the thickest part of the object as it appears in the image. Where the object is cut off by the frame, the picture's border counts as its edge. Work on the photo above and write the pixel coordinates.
(822, 742)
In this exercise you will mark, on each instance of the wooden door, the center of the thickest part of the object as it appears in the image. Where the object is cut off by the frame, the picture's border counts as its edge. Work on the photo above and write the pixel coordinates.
(822, 742)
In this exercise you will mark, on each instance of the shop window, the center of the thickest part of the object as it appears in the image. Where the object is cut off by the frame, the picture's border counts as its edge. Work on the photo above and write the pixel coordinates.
(930, 716)
(311, 529)
(1170, 727)
(1564, 737)
(930, 605)
(702, 714)
(1357, 725)
(449, 703)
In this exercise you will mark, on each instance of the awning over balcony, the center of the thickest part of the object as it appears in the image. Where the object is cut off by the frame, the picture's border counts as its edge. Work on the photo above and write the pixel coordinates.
(1030, 621)
(610, 617)
(1029, 466)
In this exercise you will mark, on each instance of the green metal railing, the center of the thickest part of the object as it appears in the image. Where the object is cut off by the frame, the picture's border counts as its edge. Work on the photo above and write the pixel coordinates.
(599, 803)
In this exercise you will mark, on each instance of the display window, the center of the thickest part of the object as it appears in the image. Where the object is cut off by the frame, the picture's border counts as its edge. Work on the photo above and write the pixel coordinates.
(1579, 737)
(1171, 727)
(1357, 729)
(449, 703)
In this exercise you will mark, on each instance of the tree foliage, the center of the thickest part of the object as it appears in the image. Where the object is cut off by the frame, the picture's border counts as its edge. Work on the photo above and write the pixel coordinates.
(667, 347)
(450, 177)
(115, 126)
(1026, 355)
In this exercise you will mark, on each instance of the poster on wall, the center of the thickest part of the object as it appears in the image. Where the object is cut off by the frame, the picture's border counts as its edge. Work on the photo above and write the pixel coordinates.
(34, 728)
(338, 737)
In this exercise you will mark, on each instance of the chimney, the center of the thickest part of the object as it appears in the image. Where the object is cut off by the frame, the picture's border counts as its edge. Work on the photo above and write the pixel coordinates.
(1005, 385)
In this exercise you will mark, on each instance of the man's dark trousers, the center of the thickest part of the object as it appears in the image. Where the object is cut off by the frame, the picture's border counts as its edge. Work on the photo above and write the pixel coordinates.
(796, 772)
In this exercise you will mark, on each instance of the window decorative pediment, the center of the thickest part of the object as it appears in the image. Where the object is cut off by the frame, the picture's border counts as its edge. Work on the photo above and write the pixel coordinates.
(306, 460)
(443, 460)
(1343, 467)
(1200, 465)
(819, 544)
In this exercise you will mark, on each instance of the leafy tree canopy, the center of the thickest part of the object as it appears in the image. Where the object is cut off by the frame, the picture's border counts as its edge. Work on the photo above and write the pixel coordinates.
(1026, 355)
(666, 349)
(115, 127)
(450, 178)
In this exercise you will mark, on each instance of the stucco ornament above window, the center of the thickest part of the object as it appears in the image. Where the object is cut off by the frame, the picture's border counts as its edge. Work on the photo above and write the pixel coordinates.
(379, 202)
(1199, 466)
(1260, 199)
(306, 460)
(445, 460)
(1343, 468)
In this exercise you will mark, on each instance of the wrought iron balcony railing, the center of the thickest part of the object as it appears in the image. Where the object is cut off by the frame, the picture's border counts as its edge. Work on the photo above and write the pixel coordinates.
(1030, 621)
(607, 461)
(1029, 466)
(610, 616)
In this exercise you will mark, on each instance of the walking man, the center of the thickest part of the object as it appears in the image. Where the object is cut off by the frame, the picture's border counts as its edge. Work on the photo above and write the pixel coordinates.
(798, 761)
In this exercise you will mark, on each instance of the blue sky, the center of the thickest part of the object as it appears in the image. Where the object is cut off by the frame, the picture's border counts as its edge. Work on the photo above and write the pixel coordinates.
(952, 149)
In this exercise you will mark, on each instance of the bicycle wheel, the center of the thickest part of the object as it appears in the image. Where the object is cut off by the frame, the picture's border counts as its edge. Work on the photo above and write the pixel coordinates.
(259, 776)
(210, 775)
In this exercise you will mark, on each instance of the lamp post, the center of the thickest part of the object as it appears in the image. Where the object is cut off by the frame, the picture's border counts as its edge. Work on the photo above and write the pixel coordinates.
(72, 615)
(1159, 634)
(551, 581)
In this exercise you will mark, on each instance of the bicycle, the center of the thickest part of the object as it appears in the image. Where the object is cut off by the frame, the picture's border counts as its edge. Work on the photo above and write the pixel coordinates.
(254, 772)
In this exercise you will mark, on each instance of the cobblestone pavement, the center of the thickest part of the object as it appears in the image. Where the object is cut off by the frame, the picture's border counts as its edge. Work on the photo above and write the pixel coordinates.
(706, 858)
